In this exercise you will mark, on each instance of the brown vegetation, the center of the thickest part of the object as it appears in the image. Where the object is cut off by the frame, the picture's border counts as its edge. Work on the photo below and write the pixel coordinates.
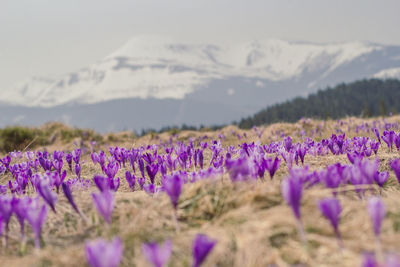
(252, 223)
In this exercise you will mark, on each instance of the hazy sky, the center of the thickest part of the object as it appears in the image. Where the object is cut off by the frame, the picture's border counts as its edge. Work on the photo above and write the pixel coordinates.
(50, 37)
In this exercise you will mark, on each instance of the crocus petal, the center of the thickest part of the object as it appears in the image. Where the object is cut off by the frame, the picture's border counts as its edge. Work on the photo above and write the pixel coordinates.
(377, 211)
(68, 195)
(104, 203)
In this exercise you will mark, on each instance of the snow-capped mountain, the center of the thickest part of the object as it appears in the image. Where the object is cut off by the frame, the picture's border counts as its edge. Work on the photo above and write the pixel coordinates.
(161, 68)
(236, 79)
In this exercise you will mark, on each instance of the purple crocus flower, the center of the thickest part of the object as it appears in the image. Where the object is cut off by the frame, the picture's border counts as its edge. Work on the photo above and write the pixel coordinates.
(36, 216)
(292, 190)
(272, 165)
(288, 143)
(152, 171)
(6, 208)
(68, 195)
(392, 260)
(301, 152)
(141, 166)
(369, 260)
(6, 212)
(388, 137)
(149, 188)
(141, 182)
(20, 207)
(3, 189)
(114, 184)
(355, 157)
(202, 246)
(333, 176)
(95, 158)
(331, 209)
(173, 187)
(58, 178)
(369, 168)
(377, 135)
(157, 255)
(111, 170)
(132, 157)
(104, 203)
(46, 193)
(102, 159)
(381, 178)
(45, 163)
(58, 164)
(395, 165)
(68, 158)
(201, 158)
(76, 155)
(163, 169)
(131, 179)
(289, 157)
(397, 141)
(1, 226)
(374, 146)
(100, 253)
(238, 169)
(377, 211)
(147, 157)
(101, 182)
(78, 170)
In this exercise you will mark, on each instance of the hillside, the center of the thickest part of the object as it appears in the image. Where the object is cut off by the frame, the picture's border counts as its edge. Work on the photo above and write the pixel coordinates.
(247, 215)
(361, 98)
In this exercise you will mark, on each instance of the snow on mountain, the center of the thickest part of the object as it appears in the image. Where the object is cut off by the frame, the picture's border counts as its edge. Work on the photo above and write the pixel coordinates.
(280, 60)
(388, 73)
(158, 67)
(27, 91)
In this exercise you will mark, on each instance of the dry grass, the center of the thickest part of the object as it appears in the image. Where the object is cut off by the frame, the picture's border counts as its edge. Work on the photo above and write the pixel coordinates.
(253, 225)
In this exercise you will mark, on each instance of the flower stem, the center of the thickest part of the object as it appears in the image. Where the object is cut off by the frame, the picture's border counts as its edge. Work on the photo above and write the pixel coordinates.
(177, 228)
(378, 247)
(302, 234)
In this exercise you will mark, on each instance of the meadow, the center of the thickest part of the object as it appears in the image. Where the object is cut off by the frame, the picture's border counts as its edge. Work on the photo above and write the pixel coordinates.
(311, 193)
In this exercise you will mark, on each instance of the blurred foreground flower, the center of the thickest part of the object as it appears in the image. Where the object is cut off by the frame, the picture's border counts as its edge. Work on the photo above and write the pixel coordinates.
(331, 209)
(369, 260)
(292, 189)
(68, 194)
(36, 216)
(395, 165)
(100, 253)
(47, 194)
(173, 187)
(377, 211)
(157, 255)
(104, 202)
(202, 246)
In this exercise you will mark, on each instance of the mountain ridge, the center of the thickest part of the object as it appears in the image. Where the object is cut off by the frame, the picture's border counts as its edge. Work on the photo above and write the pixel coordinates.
(163, 68)
(233, 81)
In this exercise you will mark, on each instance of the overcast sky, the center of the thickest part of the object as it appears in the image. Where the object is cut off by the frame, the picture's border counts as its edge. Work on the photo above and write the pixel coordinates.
(51, 37)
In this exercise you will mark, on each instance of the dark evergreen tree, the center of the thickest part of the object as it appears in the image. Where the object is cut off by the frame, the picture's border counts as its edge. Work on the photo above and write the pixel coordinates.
(371, 97)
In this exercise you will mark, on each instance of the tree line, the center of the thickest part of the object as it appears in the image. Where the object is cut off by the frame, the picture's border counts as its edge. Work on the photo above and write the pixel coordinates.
(372, 97)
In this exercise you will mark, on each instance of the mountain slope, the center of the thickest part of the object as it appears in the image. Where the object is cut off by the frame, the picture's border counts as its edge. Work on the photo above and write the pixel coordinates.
(243, 78)
(156, 67)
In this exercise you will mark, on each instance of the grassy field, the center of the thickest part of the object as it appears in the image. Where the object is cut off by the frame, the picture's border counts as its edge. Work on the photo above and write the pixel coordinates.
(252, 223)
